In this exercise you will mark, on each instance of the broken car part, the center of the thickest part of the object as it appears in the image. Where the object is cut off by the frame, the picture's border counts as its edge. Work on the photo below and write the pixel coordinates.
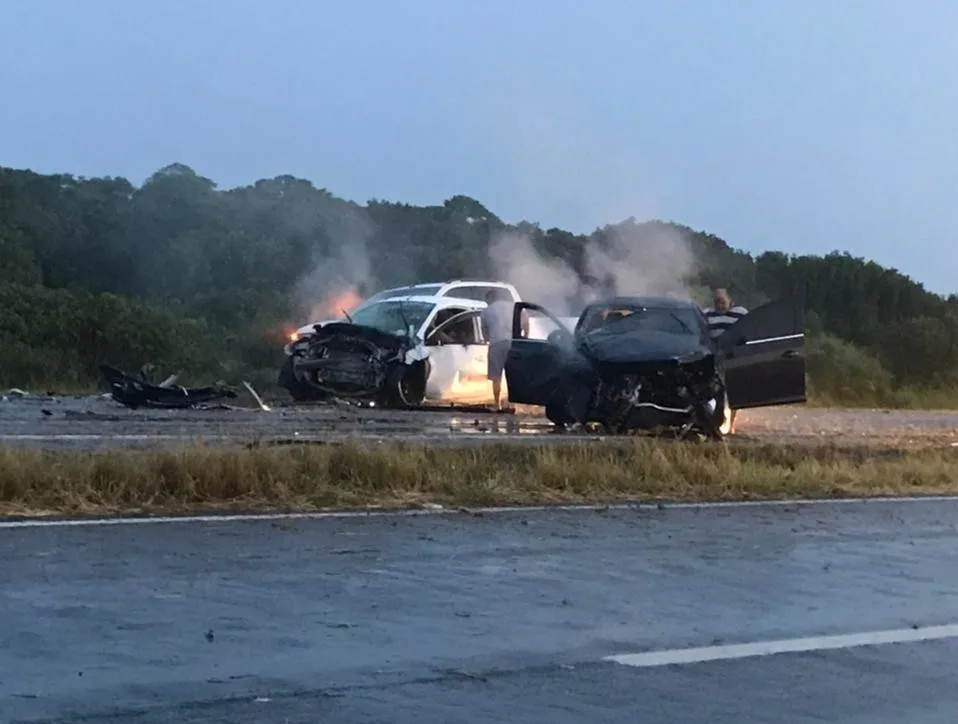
(134, 392)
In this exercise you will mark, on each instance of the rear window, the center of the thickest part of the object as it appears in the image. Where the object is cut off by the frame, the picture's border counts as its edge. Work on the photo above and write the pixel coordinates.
(425, 291)
(473, 291)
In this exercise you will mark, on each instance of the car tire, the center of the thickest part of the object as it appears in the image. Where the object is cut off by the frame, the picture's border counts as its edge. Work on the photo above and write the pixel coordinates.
(557, 415)
(405, 386)
(715, 425)
(299, 391)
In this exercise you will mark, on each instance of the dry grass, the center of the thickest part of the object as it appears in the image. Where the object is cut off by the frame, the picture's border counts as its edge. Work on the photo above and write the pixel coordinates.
(318, 477)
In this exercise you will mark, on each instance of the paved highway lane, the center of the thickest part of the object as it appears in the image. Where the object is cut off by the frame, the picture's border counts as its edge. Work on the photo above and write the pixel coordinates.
(94, 423)
(520, 616)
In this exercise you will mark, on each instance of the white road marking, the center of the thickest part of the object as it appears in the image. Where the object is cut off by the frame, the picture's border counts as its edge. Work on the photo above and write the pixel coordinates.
(75, 437)
(412, 512)
(785, 646)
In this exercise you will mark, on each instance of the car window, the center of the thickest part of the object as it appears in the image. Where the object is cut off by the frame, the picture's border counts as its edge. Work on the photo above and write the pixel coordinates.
(461, 331)
(471, 291)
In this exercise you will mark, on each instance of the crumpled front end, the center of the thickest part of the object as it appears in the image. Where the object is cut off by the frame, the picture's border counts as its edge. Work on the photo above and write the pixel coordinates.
(349, 360)
(645, 395)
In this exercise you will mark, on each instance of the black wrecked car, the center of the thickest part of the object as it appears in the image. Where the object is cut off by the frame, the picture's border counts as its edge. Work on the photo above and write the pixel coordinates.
(648, 362)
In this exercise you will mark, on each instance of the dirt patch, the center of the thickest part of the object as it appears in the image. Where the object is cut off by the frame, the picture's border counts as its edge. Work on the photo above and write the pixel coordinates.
(847, 426)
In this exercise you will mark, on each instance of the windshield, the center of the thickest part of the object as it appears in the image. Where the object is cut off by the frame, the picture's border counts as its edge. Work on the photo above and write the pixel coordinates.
(653, 319)
(392, 317)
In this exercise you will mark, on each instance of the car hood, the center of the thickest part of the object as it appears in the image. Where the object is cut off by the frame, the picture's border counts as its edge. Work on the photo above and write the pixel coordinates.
(311, 327)
(343, 330)
(641, 346)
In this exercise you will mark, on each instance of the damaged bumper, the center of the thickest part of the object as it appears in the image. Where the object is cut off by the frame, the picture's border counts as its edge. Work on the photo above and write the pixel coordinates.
(648, 395)
(351, 361)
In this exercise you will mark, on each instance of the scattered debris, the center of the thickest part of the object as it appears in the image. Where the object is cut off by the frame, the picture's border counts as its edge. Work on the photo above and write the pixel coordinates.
(259, 400)
(136, 392)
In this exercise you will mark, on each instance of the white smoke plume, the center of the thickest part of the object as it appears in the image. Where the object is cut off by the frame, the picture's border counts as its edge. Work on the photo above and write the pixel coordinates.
(561, 166)
(634, 260)
(341, 273)
(654, 259)
(549, 282)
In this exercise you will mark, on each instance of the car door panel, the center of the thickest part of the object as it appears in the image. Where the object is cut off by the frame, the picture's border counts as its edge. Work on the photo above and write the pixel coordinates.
(532, 365)
(764, 356)
(458, 370)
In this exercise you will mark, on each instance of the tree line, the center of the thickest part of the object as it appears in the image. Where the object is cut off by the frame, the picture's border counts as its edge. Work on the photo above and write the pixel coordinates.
(191, 278)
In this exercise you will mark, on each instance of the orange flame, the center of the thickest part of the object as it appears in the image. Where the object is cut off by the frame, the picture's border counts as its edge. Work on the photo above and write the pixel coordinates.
(334, 305)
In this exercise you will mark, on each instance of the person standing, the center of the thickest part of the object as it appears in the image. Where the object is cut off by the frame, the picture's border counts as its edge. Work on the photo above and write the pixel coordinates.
(720, 317)
(724, 314)
(496, 322)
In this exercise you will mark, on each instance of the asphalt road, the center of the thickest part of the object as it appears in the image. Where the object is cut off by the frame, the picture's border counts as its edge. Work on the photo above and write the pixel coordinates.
(57, 423)
(493, 618)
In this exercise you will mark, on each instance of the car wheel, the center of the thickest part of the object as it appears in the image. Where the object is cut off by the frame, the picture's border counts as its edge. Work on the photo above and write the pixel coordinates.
(299, 391)
(557, 415)
(406, 385)
(716, 423)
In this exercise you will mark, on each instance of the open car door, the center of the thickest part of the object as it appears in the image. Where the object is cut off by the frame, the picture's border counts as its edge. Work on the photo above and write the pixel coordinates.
(433, 336)
(532, 365)
(458, 360)
(764, 356)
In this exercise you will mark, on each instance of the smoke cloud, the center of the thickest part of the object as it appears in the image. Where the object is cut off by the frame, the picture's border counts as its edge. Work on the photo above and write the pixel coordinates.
(341, 271)
(549, 282)
(627, 259)
(561, 166)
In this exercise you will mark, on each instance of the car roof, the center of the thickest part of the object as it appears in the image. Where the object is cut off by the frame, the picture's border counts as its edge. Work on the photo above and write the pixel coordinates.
(438, 301)
(411, 287)
(451, 282)
(651, 301)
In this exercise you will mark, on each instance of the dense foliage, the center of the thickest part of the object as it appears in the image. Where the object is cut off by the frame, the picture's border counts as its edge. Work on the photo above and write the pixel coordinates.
(206, 282)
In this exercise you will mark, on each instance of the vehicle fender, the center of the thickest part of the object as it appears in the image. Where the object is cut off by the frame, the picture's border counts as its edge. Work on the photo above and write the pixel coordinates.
(416, 354)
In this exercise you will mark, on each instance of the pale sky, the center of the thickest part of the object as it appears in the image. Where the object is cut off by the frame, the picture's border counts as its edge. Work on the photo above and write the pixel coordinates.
(799, 125)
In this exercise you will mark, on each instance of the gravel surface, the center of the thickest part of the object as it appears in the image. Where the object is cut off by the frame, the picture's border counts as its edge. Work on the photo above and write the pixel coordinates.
(99, 422)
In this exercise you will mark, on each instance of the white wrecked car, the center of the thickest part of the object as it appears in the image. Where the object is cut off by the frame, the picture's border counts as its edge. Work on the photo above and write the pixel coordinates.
(397, 351)
(459, 288)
